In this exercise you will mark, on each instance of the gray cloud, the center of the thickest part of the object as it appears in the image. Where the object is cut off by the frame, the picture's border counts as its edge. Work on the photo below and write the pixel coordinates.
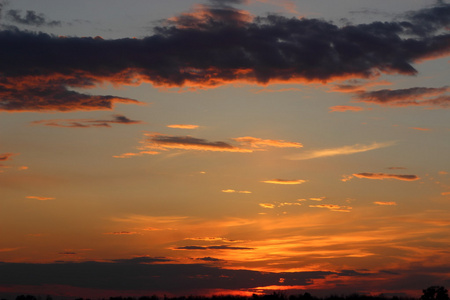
(31, 18)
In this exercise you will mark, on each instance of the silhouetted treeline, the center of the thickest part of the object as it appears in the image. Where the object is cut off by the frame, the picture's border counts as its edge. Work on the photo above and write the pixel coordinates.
(431, 293)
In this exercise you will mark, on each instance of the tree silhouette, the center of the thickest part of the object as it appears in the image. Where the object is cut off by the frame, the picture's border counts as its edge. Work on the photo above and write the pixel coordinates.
(435, 293)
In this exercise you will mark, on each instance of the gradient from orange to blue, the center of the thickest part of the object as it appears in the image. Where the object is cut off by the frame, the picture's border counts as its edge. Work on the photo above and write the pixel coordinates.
(226, 146)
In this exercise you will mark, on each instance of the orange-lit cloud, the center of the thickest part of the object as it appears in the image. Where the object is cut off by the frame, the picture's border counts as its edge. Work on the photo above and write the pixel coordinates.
(6, 156)
(267, 205)
(234, 191)
(382, 176)
(31, 83)
(333, 207)
(122, 233)
(285, 181)
(40, 198)
(420, 128)
(343, 108)
(385, 203)
(86, 123)
(445, 193)
(157, 141)
(258, 142)
(132, 154)
(345, 150)
(183, 126)
(317, 198)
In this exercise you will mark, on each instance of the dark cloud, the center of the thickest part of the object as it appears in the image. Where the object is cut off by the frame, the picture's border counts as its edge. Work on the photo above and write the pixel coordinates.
(168, 278)
(6, 156)
(215, 45)
(416, 96)
(31, 18)
(221, 247)
(166, 142)
(86, 123)
(207, 258)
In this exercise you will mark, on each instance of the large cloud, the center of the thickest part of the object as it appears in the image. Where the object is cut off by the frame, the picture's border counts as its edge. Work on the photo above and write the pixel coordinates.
(216, 44)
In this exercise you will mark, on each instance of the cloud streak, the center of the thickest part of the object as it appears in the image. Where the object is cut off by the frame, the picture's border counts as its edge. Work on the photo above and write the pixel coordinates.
(381, 176)
(285, 181)
(345, 150)
(40, 71)
(86, 123)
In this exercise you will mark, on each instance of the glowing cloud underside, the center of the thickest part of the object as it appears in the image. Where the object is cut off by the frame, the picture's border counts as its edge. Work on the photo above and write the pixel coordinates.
(284, 181)
(381, 176)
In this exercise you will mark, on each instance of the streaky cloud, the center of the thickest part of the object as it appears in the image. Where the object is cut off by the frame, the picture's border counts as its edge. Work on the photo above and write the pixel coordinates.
(345, 150)
(86, 123)
(285, 181)
(381, 176)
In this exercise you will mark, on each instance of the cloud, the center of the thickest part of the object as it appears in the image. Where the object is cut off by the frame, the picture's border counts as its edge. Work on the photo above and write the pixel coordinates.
(142, 260)
(158, 141)
(267, 205)
(31, 18)
(396, 168)
(234, 191)
(345, 150)
(317, 198)
(285, 181)
(343, 108)
(333, 207)
(40, 72)
(6, 156)
(420, 128)
(122, 233)
(183, 126)
(416, 96)
(382, 176)
(220, 247)
(258, 142)
(40, 198)
(385, 203)
(86, 123)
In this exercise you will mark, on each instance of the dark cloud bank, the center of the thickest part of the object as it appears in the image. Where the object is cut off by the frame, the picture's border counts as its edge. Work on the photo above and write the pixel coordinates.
(41, 72)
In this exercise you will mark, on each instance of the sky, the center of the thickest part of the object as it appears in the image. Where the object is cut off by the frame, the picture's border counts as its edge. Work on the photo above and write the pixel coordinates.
(186, 147)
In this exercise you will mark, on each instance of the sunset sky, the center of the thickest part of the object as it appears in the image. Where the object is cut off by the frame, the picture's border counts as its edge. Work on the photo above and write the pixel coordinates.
(185, 147)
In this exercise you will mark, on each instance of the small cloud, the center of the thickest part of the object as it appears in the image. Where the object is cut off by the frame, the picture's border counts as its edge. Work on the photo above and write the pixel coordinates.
(122, 233)
(420, 128)
(86, 123)
(67, 253)
(345, 150)
(6, 156)
(445, 193)
(346, 178)
(234, 191)
(284, 181)
(258, 142)
(289, 204)
(381, 176)
(183, 126)
(443, 173)
(40, 198)
(334, 207)
(131, 154)
(385, 203)
(31, 18)
(157, 141)
(212, 259)
(22, 168)
(416, 96)
(396, 168)
(343, 108)
(317, 198)
(220, 247)
(267, 205)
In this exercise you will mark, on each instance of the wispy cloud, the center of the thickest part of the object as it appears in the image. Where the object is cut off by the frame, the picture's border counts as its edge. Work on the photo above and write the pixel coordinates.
(40, 198)
(386, 203)
(183, 126)
(285, 181)
(333, 207)
(382, 176)
(234, 191)
(343, 108)
(122, 233)
(345, 150)
(30, 18)
(420, 128)
(258, 142)
(219, 247)
(416, 96)
(86, 123)
(267, 205)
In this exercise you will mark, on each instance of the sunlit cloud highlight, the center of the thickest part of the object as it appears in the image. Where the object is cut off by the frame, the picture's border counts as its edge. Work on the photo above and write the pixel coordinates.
(285, 181)
(381, 176)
